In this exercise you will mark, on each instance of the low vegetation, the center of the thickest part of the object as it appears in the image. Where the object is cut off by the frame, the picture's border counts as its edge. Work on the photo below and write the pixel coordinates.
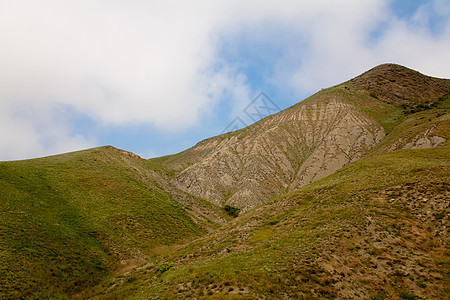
(107, 224)
(231, 211)
(68, 221)
(367, 231)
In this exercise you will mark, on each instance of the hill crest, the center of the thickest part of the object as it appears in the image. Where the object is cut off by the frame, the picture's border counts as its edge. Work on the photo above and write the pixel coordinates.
(308, 141)
(400, 85)
(340, 188)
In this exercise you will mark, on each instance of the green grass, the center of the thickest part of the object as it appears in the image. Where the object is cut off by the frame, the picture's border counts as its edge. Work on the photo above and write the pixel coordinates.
(326, 219)
(67, 220)
(386, 114)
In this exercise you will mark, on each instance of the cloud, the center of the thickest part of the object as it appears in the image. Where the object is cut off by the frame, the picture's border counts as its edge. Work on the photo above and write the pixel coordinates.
(29, 132)
(344, 46)
(160, 63)
(107, 59)
(417, 42)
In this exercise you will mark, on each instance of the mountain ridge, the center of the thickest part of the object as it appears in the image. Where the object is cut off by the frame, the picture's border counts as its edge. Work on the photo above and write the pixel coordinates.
(342, 195)
(334, 127)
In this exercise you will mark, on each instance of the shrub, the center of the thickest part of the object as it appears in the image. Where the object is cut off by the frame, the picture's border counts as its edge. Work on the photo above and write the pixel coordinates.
(232, 211)
(407, 295)
(164, 268)
(374, 95)
(421, 284)
(273, 222)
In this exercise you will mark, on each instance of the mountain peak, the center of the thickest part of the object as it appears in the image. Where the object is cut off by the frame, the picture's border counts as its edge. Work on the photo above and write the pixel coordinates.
(399, 84)
(392, 67)
(322, 192)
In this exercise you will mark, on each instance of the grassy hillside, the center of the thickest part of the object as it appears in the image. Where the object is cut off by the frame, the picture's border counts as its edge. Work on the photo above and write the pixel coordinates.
(67, 221)
(377, 229)
(105, 223)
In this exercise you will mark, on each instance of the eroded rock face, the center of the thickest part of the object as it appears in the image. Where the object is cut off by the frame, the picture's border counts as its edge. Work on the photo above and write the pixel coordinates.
(424, 140)
(429, 135)
(305, 142)
(281, 153)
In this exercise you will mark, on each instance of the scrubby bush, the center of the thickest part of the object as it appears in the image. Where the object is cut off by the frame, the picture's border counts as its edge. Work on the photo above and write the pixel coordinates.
(232, 211)
(374, 95)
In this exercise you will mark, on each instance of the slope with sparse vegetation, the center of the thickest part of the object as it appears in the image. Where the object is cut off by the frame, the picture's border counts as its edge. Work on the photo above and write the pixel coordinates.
(343, 195)
(377, 229)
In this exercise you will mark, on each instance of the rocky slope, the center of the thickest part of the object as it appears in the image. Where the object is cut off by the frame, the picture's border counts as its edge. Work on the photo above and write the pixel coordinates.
(308, 141)
(377, 229)
(352, 188)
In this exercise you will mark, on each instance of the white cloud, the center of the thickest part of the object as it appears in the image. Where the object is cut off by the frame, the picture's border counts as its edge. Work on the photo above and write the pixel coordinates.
(28, 132)
(340, 44)
(414, 43)
(115, 63)
(155, 62)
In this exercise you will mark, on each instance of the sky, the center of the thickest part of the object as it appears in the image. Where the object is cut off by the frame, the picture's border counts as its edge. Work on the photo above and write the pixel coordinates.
(156, 77)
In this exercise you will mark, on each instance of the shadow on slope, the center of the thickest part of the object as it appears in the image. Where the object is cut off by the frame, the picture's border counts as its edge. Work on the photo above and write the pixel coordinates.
(68, 221)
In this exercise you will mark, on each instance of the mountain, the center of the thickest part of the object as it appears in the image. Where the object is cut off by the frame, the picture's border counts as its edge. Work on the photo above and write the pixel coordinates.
(376, 229)
(68, 221)
(343, 195)
(308, 141)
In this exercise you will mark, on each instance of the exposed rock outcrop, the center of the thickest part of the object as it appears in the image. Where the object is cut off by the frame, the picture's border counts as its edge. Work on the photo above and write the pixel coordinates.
(281, 153)
(305, 142)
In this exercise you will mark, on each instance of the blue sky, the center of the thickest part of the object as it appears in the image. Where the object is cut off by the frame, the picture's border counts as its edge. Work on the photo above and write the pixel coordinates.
(156, 77)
